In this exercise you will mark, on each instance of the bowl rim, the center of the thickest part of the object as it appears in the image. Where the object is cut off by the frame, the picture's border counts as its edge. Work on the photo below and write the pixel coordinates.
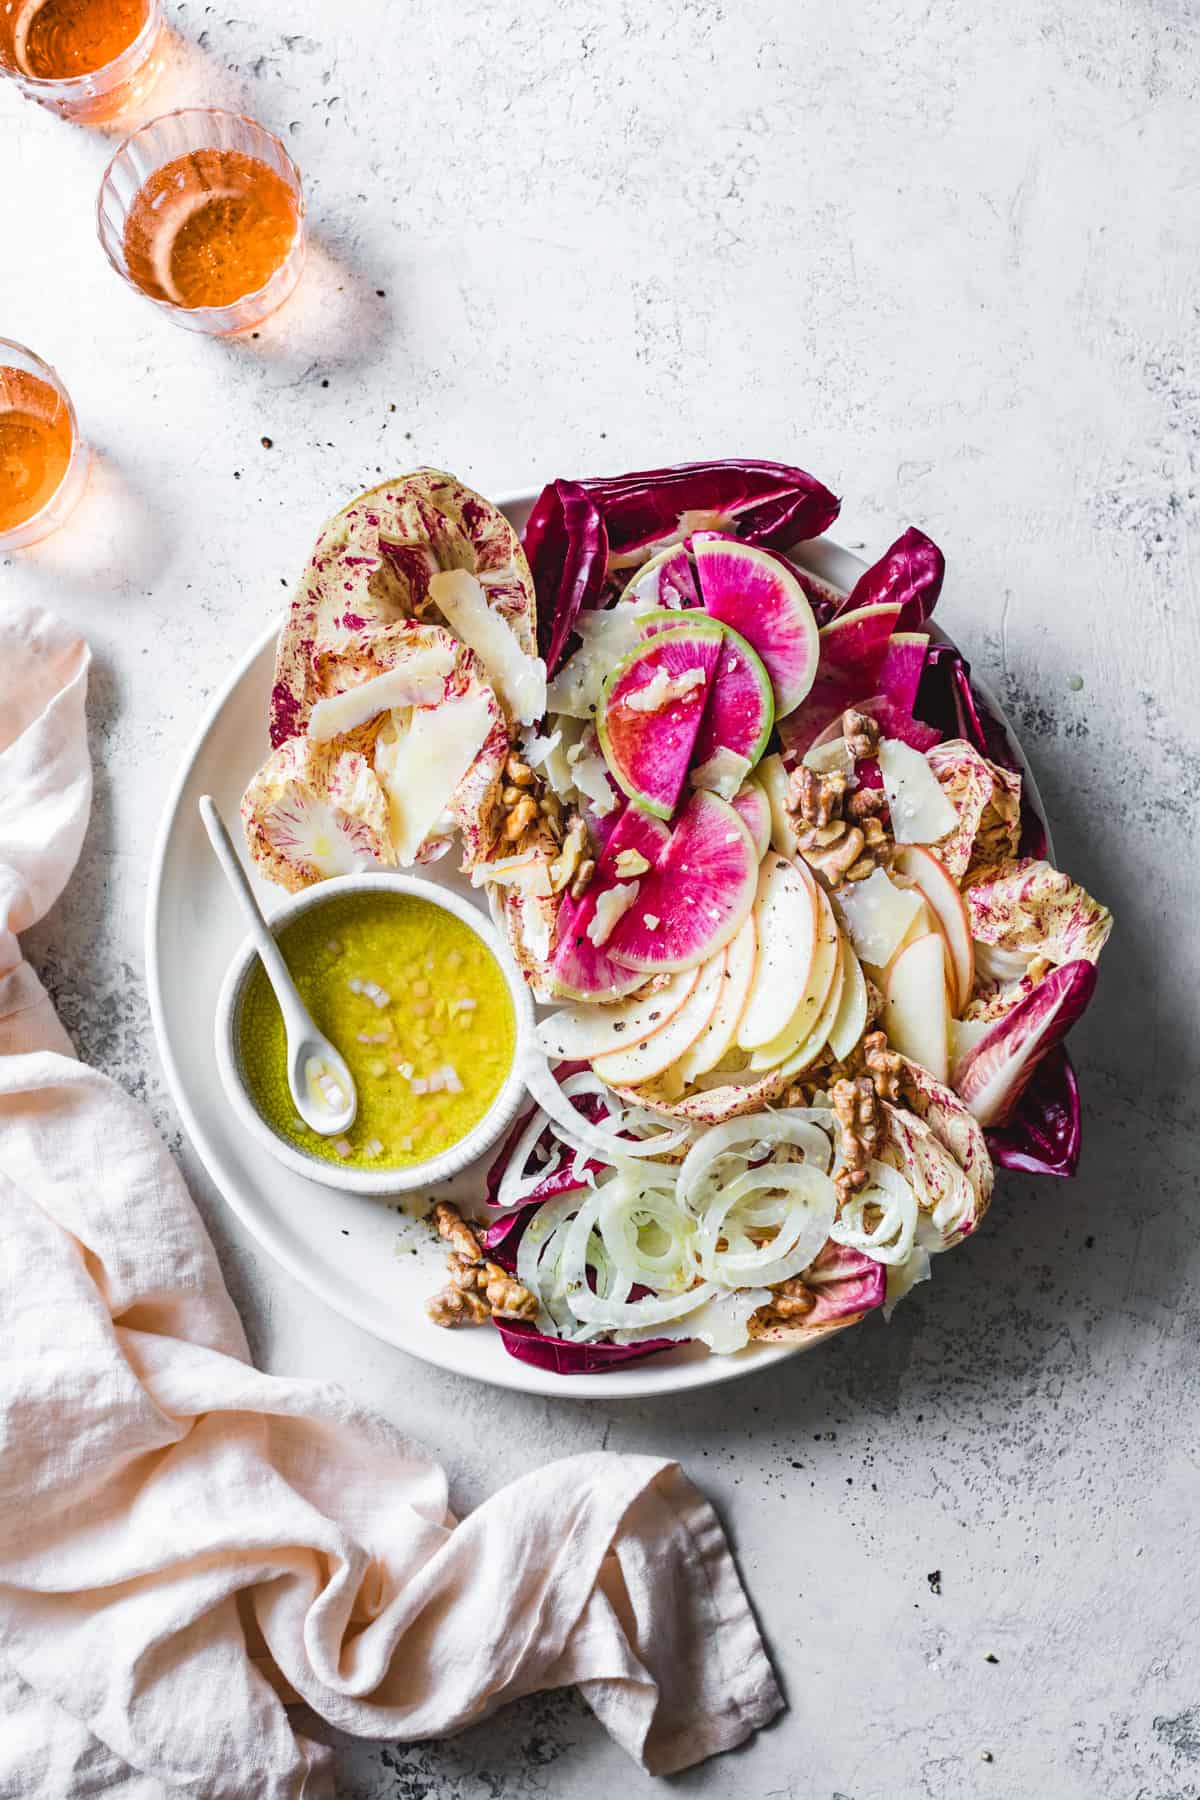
(357, 1180)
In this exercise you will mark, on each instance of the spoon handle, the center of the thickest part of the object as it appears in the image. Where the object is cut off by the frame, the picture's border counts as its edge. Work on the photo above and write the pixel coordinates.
(268, 950)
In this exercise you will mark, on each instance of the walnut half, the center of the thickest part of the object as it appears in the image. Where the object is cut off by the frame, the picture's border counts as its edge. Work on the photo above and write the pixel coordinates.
(479, 1289)
(859, 1133)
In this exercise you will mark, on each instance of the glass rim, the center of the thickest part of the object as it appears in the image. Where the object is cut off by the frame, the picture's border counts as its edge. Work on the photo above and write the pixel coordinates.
(53, 379)
(63, 87)
(199, 112)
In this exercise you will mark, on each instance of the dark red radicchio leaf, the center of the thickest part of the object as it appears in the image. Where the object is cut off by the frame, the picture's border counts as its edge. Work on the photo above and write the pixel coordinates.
(575, 525)
(910, 571)
(1044, 1135)
(768, 503)
(993, 1075)
(567, 548)
(562, 1357)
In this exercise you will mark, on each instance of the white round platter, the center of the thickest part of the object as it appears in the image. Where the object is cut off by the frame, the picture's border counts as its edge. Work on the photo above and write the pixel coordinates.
(373, 1260)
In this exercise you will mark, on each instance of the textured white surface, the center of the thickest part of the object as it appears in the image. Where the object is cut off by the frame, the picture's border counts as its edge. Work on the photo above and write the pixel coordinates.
(944, 256)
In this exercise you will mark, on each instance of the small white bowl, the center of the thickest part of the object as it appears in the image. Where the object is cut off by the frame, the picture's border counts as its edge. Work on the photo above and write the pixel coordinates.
(481, 1137)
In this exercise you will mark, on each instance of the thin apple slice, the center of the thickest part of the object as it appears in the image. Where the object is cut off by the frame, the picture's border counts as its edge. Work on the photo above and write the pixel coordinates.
(785, 913)
(642, 1062)
(928, 873)
(752, 807)
(851, 1019)
(925, 920)
(741, 958)
(810, 1049)
(775, 781)
(916, 1014)
(813, 1003)
(576, 1033)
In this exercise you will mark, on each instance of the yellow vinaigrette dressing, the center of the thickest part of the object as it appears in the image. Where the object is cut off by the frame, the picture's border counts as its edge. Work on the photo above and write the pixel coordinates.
(417, 1005)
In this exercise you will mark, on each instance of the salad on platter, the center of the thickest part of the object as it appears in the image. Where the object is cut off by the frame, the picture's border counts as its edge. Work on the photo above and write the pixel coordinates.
(758, 845)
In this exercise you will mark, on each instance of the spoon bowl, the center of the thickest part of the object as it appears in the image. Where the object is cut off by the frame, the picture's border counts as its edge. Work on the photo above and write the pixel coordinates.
(321, 1085)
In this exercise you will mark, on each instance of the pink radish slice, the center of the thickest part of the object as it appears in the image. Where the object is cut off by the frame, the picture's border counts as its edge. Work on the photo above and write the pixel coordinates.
(651, 711)
(759, 597)
(582, 970)
(699, 894)
(666, 581)
(740, 711)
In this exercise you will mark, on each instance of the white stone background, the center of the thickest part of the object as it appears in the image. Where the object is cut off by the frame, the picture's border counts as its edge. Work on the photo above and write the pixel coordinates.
(946, 257)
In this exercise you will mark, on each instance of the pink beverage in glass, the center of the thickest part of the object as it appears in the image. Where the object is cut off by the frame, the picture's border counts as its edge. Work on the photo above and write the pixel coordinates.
(202, 212)
(43, 464)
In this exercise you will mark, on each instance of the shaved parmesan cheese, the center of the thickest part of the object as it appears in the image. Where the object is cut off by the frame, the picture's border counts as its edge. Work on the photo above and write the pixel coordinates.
(722, 774)
(560, 753)
(529, 872)
(607, 636)
(611, 906)
(662, 689)
(630, 862)
(877, 915)
(833, 758)
(536, 750)
(590, 775)
(921, 812)
(520, 680)
(651, 921)
(563, 868)
(421, 764)
(420, 680)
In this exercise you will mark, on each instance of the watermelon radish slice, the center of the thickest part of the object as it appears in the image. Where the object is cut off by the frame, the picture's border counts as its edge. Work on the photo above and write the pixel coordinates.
(755, 593)
(651, 710)
(698, 895)
(665, 618)
(902, 667)
(581, 969)
(854, 647)
(666, 580)
(753, 808)
(740, 713)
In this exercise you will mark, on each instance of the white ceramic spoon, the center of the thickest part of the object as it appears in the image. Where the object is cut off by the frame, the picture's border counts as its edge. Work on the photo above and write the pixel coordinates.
(322, 1087)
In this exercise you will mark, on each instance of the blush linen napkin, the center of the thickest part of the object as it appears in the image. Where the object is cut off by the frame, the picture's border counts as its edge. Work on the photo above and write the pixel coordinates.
(188, 1545)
